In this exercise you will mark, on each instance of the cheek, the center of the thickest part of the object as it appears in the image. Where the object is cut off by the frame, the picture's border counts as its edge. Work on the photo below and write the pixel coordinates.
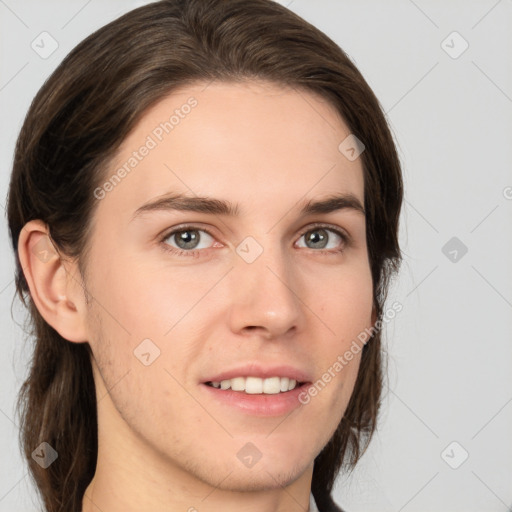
(149, 301)
(346, 304)
(345, 310)
(148, 323)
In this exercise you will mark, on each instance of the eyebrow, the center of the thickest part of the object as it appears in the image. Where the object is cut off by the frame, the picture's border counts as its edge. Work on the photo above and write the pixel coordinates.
(180, 202)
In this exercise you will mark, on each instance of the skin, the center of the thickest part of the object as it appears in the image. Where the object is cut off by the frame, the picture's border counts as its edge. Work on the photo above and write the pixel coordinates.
(163, 445)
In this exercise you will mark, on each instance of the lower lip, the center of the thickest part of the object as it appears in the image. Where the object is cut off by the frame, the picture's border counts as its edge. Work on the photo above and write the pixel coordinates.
(260, 404)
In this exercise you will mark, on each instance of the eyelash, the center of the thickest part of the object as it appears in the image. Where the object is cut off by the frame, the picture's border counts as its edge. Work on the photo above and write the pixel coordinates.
(195, 253)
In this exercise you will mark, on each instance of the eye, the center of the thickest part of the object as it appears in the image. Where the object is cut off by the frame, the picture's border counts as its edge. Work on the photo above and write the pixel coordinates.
(320, 237)
(187, 240)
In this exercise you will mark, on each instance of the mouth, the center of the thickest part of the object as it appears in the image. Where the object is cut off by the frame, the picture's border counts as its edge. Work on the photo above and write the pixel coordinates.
(255, 396)
(256, 385)
(257, 388)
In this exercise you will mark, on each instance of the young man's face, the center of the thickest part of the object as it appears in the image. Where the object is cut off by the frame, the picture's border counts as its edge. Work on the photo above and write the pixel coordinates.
(264, 292)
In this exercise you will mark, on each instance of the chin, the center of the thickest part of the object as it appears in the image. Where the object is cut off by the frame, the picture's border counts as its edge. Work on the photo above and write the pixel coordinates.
(261, 479)
(228, 473)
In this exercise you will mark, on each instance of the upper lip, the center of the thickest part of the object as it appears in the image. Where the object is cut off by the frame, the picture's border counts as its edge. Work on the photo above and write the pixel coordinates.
(262, 371)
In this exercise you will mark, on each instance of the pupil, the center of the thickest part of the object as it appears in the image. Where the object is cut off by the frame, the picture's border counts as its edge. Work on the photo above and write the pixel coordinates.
(187, 239)
(319, 238)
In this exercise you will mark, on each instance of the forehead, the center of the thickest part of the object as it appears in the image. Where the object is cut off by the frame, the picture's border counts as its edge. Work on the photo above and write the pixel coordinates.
(256, 143)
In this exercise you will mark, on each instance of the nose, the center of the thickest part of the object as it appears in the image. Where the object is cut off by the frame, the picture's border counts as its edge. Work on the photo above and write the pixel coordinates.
(266, 295)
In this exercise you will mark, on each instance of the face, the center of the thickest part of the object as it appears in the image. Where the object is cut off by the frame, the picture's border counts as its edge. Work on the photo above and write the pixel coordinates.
(250, 284)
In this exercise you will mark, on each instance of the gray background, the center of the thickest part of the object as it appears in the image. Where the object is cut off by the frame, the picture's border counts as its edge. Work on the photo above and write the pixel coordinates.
(450, 347)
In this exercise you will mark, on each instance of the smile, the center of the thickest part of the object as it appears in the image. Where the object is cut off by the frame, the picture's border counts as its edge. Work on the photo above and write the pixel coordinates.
(257, 385)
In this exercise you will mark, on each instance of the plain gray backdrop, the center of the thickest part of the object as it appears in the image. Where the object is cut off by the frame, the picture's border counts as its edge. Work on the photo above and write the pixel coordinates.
(443, 74)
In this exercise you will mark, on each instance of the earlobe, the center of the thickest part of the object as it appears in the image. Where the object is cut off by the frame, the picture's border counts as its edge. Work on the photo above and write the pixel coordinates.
(55, 284)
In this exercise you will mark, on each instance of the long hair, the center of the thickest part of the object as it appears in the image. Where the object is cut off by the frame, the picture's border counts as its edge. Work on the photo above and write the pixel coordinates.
(72, 131)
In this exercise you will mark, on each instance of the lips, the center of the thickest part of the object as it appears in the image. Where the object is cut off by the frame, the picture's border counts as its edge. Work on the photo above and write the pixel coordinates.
(259, 405)
(258, 369)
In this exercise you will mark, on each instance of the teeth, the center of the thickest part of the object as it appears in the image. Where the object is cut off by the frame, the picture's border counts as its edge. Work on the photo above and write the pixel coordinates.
(255, 385)
(272, 385)
(237, 384)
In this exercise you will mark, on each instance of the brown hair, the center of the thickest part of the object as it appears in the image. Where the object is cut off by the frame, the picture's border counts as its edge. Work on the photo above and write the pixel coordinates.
(72, 130)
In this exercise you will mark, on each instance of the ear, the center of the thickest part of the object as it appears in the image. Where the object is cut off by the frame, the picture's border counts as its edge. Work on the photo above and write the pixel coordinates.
(55, 284)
